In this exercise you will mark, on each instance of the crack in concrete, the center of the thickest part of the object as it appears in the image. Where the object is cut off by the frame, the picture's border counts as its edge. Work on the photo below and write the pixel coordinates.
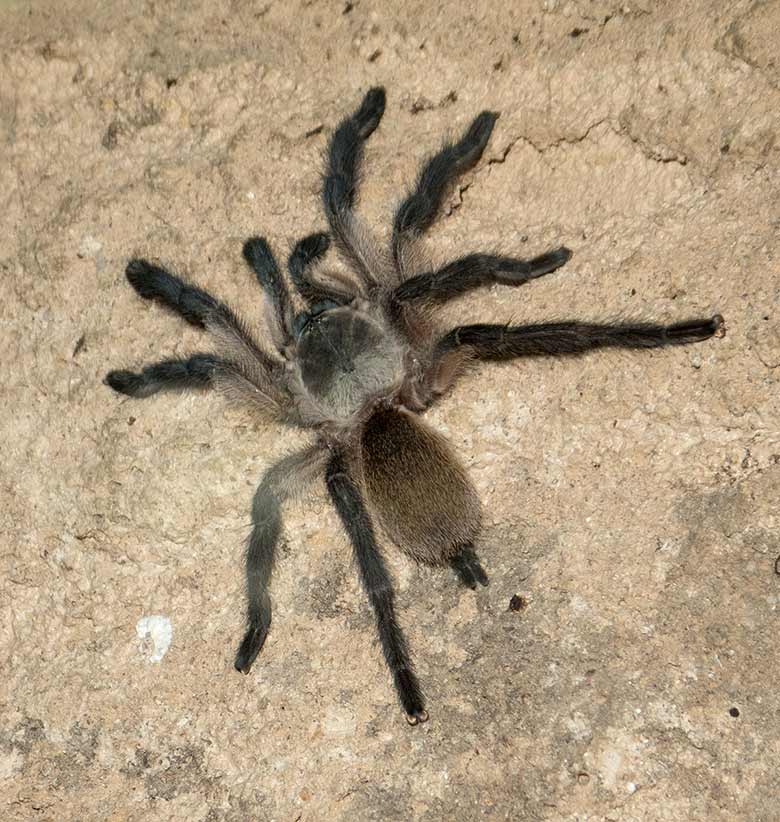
(771, 366)
(542, 148)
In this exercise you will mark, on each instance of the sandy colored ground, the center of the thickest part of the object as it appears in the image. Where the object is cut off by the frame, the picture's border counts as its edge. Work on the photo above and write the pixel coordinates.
(631, 498)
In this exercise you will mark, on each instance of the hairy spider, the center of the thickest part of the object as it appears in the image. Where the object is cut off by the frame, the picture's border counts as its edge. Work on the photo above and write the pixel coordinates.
(358, 360)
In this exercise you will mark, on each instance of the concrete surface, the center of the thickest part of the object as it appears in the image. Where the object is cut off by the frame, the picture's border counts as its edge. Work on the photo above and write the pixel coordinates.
(631, 498)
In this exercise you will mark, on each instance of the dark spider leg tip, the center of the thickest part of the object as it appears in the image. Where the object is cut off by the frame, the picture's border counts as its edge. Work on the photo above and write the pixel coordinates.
(145, 277)
(464, 573)
(481, 576)
(257, 252)
(123, 382)
(312, 247)
(367, 117)
(469, 570)
(137, 267)
(560, 255)
(478, 575)
(549, 262)
(697, 329)
(250, 647)
(408, 690)
(417, 718)
(480, 130)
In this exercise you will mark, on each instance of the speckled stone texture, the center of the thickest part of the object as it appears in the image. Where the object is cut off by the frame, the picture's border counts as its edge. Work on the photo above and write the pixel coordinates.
(631, 498)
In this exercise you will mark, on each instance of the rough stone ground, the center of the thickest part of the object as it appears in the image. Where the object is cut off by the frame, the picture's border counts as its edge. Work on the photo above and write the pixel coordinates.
(631, 498)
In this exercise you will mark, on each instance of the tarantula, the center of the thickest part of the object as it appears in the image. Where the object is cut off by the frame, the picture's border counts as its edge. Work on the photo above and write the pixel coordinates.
(357, 361)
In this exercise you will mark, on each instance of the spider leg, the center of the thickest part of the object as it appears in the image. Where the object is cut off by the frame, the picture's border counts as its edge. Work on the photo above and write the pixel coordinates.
(339, 189)
(474, 270)
(467, 566)
(418, 211)
(194, 304)
(195, 372)
(453, 353)
(304, 257)
(279, 482)
(260, 259)
(155, 283)
(305, 254)
(501, 342)
(199, 308)
(376, 581)
(245, 383)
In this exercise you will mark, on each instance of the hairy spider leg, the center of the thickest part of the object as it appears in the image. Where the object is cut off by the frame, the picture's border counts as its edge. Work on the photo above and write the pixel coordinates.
(248, 371)
(418, 210)
(260, 259)
(340, 184)
(501, 342)
(377, 584)
(474, 270)
(176, 375)
(302, 263)
(286, 478)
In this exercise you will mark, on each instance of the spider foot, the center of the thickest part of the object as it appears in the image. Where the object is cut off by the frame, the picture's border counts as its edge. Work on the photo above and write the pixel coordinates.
(480, 575)
(696, 330)
(550, 261)
(151, 281)
(124, 382)
(310, 248)
(479, 131)
(418, 717)
(250, 647)
(369, 114)
(469, 569)
(411, 697)
(471, 577)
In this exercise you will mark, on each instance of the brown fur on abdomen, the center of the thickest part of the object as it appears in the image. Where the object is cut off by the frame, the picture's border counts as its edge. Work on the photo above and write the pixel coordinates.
(417, 487)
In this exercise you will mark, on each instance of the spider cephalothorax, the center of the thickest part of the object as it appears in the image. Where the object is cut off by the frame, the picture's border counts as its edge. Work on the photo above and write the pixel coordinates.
(356, 361)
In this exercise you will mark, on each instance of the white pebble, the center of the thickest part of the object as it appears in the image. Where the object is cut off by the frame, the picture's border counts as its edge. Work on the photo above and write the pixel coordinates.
(159, 630)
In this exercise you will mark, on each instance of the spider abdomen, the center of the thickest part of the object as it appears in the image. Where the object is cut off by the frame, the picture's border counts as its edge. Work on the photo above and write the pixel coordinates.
(419, 490)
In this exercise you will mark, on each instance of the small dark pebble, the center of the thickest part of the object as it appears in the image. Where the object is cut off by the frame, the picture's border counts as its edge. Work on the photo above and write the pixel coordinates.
(347, 8)
(777, 566)
(577, 32)
(79, 347)
(130, 420)
(171, 82)
(111, 136)
(421, 104)
(518, 603)
(734, 712)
